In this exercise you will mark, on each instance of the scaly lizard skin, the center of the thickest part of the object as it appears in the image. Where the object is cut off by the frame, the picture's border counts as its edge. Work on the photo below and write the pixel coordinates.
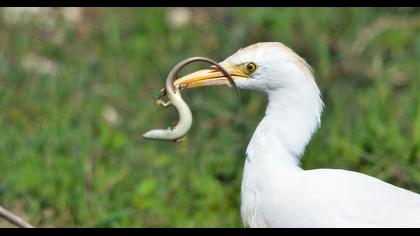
(184, 113)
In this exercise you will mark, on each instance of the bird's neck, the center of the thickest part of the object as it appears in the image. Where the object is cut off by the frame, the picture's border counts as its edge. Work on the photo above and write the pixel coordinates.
(292, 116)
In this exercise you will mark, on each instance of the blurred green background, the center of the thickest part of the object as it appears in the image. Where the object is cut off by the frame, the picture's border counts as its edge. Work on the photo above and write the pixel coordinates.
(76, 87)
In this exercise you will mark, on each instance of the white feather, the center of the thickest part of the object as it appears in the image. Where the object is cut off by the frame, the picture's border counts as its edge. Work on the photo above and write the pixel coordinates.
(276, 191)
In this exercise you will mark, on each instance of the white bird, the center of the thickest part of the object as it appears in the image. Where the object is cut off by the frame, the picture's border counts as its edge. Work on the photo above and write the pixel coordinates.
(276, 191)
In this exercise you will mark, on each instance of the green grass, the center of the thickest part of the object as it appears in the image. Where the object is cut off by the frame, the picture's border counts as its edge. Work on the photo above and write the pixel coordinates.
(63, 164)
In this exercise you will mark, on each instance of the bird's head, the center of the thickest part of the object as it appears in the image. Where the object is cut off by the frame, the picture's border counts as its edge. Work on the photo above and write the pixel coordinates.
(294, 103)
(262, 67)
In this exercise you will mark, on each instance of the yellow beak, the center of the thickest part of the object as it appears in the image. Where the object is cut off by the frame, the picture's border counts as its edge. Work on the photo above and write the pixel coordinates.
(212, 76)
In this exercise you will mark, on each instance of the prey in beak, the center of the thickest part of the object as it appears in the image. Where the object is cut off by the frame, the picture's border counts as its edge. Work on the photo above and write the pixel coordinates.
(212, 76)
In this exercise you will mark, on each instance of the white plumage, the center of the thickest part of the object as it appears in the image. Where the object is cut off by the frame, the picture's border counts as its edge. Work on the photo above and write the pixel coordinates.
(276, 191)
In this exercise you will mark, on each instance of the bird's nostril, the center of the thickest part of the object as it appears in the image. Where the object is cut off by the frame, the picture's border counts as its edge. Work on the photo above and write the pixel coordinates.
(215, 68)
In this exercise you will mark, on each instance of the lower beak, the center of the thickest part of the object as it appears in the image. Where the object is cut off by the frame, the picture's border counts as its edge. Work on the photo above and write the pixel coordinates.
(212, 76)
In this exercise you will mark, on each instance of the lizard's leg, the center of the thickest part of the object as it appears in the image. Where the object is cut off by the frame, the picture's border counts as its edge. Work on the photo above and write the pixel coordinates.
(162, 103)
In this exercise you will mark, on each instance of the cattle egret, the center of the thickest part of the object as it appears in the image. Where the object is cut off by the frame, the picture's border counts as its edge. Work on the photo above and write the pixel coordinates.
(276, 191)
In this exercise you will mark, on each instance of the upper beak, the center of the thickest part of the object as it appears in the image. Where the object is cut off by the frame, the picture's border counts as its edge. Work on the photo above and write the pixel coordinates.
(212, 76)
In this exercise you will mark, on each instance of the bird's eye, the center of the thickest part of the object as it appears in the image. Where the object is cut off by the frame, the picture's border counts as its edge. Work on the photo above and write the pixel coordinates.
(251, 67)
